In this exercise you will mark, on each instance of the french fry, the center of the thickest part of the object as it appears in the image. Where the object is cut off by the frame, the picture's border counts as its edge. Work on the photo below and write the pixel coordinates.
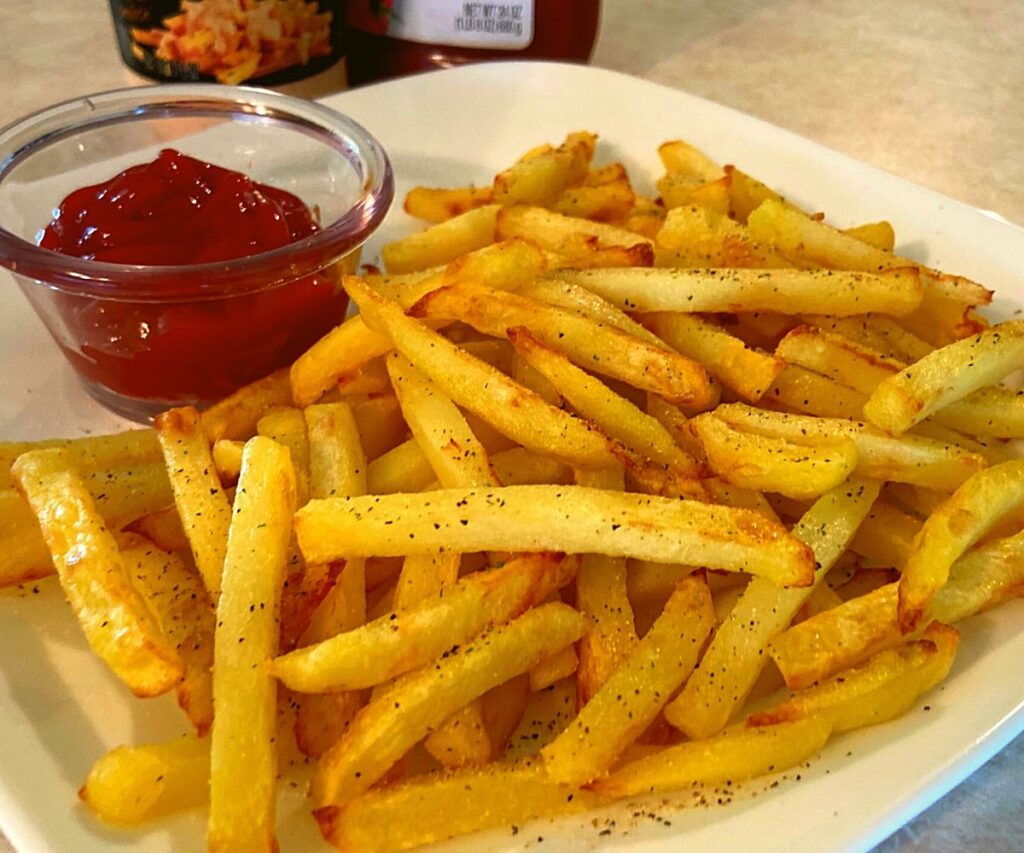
(118, 624)
(880, 234)
(637, 690)
(287, 427)
(797, 389)
(404, 468)
(235, 416)
(135, 784)
(454, 453)
(539, 179)
(437, 205)
(595, 401)
(680, 157)
(178, 598)
(163, 528)
(895, 291)
(337, 464)
(678, 190)
(120, 495)
(442, 242)
(746, 371)
(401, 641)
(603, 349)
(478, 387)
(979, 505)
(693, 236)
(734, 756)
(876, 331)
(572, 519)
(551, 670)
(572, 238)
(202, 505)
(800, 471)
(244, 692)
(91, 453)
(908, 459)
(448, 806)
(227, 459)
(746, 194)
(390, 725)
(886, 536)
(885, 686)
(945, 376)
(735, 658)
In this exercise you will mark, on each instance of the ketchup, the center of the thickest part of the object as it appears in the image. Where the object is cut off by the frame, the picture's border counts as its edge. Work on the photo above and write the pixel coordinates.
(178, 211)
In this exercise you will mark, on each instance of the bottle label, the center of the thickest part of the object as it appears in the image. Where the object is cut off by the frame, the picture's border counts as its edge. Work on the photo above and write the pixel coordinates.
(501, 26)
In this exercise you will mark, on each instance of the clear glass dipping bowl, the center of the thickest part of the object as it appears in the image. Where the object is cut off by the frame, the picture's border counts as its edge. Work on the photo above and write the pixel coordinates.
(143, 338)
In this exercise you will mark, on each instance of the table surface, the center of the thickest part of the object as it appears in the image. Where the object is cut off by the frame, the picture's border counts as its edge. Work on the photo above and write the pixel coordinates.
(929, 91)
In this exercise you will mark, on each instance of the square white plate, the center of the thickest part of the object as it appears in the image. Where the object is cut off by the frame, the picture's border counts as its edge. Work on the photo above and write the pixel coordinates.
(60, 709)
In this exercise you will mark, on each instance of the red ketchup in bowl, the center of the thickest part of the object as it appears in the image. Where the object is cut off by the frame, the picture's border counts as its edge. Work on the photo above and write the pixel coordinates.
(173, 212)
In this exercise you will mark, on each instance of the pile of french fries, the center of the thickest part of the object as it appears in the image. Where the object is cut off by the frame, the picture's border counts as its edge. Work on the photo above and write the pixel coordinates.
(597, 496)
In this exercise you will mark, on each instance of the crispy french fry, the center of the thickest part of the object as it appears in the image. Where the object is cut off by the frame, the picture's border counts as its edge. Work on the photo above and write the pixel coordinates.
(227, 459)
(287, 427)
(404, 640)
(880, 234)
(979, 505)
(539, 177)
(177, 596)
(118, 624)
(235, 416)
(91, 453)
(735, 658)
(747, 193)
(480, 388)
(619, 418)
(746, 371)
(553, 518)
(637, 690)
(450, 805)
(442, 242)
(388, 726)
(885, 686)
(680, 157)
(402, 469)
(908, 459)
(733, 756)
(797, 389)
(553, 669)
(886, 535)
(575, 240)
(437, 205)
(679, 190)
(337, 464)
(800, 471)
(785, 291)
(945, 376)
(603, 349)
(202, 505)
(876, 331)
(244, 692)
(134, 784)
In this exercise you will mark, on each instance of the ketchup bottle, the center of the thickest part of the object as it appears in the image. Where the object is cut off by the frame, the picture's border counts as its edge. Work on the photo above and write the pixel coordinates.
(390, 38)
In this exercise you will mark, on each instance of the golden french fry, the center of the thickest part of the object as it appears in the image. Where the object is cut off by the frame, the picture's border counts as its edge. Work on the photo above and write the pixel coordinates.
(92, 453)
(401, 641)
(244, 692)
(979, 505)
(540, 177)
(235, 416)
(693, 236)
(735, 658)
(572, 238)
(797, 389)
(637, 690)
(287, 427)
(747, 193)
(886, 536)
(449, 805)
(619, 418)
(442, 242)
(680, 190)
(895, 291)
(454, 453)
(680, 157)
(337, 464)
(477, 386)
(908, 459)
(608, 202)
(134, 784)
(437, 205)
(177, 596)
(880, 234)
(202, 504)
(876, 331)
(800, 471)
(885, 686)
(551, 670)
(404, 468)
(746, 371)
(227, 459)
(945, 376)
(601, 348)
(572, 519)
(733, 756)
(386, 728)
(121, 496)
(118, 624)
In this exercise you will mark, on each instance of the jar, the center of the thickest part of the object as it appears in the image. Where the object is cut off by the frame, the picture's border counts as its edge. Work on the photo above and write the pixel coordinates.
(390, 38)
(143, 338)
(268, 42)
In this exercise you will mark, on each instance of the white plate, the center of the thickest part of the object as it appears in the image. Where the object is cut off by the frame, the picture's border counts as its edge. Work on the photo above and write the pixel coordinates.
(60, 709)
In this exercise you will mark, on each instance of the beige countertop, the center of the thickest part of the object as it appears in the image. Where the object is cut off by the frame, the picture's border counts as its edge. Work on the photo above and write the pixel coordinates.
(931, 91)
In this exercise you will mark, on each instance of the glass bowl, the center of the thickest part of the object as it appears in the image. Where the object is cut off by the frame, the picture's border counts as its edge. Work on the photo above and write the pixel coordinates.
(143, 338)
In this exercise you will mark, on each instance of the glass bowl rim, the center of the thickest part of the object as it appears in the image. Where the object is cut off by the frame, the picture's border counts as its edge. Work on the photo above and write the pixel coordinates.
(159, 283)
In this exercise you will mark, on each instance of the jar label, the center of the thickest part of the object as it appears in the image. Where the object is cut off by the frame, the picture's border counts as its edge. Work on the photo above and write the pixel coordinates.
(502, 26)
